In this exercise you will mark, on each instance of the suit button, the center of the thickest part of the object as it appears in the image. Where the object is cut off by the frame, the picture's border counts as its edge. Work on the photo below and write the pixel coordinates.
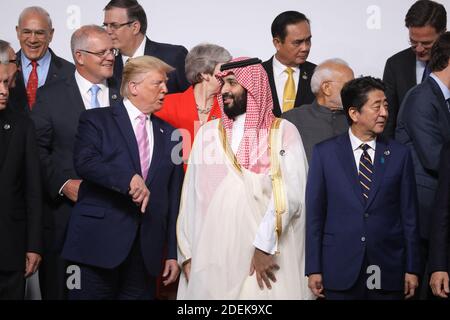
(366, 215)
(363, 239)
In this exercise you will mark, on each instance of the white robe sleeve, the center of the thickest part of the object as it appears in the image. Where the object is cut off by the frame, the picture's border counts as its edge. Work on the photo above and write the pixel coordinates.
(266, 238)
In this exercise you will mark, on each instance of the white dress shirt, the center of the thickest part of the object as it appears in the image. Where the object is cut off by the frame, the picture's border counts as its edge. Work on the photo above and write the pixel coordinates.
(140, 51)
(134, 113)
(85, 90)
(357, 151)
(420, 68)
(280, 77)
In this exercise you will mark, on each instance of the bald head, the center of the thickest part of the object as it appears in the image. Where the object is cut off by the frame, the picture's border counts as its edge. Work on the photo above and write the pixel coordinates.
(327, 81)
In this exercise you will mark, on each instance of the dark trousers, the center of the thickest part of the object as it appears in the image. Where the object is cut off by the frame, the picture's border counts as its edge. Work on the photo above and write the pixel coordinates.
(53, 269)
(129, 281)
(12, 285)
(360, 291)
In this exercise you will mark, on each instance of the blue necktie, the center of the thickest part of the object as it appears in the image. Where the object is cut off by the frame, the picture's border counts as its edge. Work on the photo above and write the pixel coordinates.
(426, 72)
(94, 99)
(365, 171)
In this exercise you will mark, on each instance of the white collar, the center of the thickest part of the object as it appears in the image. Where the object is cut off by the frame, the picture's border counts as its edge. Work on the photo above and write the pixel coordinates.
(356, 142)
(140, 51)
(133, 112)
(279, 68)
(85, 85)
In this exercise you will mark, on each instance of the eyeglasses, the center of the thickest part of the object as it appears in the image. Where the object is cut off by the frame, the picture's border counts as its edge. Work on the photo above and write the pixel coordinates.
(425, 44)
(104, 53)
(116, 26)
(27, 33)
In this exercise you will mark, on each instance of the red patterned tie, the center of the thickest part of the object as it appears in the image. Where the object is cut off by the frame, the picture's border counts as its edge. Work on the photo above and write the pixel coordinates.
(32, 85)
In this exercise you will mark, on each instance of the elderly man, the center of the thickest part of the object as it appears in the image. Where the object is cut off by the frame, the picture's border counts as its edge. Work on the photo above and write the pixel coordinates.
(129, 199)
(324, 118)
(288, 71)
(20, 197)
(233, 215)
(39, 65)
(425, 21)
(7, 50)
(126, 23)
(56, 114)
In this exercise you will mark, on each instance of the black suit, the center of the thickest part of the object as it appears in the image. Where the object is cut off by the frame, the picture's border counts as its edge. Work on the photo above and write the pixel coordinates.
(399, 76)
(56, 114)
(304, 93)
(440, 223)
(58, 69)
(20, 196)
(173, 55)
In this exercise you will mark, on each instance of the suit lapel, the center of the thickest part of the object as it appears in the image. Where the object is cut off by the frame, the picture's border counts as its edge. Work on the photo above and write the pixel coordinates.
(158, 148)
(382, 156)
(276, 103)
(345, 155)
(74, 94)
(53, 69)
(114, 94)
(443, 109)
(123, 122)
(302, 87)
(6, 130)
(409, 71)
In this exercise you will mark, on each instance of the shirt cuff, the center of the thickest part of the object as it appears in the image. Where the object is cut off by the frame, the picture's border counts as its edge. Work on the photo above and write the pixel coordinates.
(60, 190)
(266, 238)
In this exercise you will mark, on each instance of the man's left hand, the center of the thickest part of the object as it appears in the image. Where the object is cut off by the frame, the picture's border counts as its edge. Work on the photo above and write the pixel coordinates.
(32, 261)
(265, 266)
(171, 271)
(411, 283)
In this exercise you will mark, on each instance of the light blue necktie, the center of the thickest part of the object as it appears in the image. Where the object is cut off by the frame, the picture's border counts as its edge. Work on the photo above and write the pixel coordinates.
(94, 99)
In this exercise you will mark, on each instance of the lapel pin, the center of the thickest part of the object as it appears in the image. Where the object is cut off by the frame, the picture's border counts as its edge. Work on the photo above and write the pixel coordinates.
(162, 131)
(382, 160)
(114, 96)
(387, 152)
(305, 76)
(282, 153)
(6, 127)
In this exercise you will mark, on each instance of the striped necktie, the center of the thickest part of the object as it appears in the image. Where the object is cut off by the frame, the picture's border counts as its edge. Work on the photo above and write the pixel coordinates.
(365, 171)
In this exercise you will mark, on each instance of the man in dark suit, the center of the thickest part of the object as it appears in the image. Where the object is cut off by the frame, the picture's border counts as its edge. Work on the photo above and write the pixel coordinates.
(425, 21)
(20, 197)
(126, 23)
(128, 202)
(288, 71)
(424, 126)
(362, 240)
(39, 64)
(325, 117)
(439, 262)
(56, 115)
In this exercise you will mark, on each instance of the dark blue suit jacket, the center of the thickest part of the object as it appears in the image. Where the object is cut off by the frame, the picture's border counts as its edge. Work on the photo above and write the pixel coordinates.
(341, 229)
(174, 55)
(424, 126)
(105, 221)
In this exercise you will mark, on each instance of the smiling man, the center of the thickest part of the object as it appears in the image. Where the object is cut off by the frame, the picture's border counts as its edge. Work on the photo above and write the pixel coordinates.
(362, 238)
(39, 64)
(288, 71)
(129, 199)
(56, 114)
(425, 21)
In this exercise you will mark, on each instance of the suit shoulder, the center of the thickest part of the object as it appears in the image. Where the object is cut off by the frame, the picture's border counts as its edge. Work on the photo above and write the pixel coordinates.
(296, 113)
(167, 46)
(330, 142)
(163, 124)
(401, 56)
(308, 66)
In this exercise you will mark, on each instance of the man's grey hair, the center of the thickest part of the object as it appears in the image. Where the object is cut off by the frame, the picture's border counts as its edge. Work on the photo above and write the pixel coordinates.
(4, 52)
(203, 58)
(80, 37)
(323, 73)
(37, 10)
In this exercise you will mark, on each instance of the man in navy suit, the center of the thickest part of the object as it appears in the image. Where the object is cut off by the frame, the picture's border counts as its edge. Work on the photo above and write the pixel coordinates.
(35, 33)
(129, 198)
(362, 240)
(126, 23)
(424, 126)
(291, 34)
(56, 113)
(425, 21)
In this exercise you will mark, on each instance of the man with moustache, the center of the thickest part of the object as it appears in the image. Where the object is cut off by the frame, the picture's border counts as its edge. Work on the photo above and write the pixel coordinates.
(20, 196)
(241, 224)
(56, 115)
(288, 71)
(128, 202)
(39, 64)
(425, 21)
(362, 238)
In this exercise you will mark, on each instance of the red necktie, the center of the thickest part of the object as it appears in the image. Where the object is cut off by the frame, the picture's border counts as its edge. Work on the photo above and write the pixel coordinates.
(32, 85)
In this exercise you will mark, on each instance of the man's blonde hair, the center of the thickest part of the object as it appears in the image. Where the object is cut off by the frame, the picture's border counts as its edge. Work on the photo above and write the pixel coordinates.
(136, 68)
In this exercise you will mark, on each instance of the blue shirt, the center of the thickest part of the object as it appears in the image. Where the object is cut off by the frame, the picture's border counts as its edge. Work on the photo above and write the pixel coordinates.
(42, 68)
(442, 86)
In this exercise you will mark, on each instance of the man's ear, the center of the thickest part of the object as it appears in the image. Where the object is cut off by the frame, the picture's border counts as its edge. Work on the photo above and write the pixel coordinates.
(277, 43)
(353, 113)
